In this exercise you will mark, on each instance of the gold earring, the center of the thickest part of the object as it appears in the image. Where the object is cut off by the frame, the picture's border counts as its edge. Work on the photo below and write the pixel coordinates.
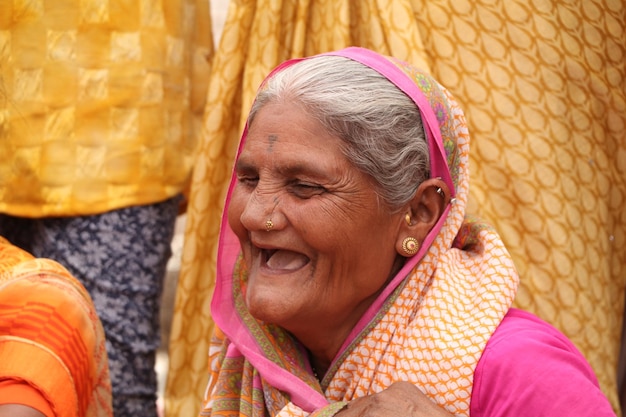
(269, 224)
(407, 218)
(410, 246)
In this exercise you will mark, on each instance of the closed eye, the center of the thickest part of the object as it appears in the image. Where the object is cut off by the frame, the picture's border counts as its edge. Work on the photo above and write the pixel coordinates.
(247, 174)
(248, 181)
(306, 190)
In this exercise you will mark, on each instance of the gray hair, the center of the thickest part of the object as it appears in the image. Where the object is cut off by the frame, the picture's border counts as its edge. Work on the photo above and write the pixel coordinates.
(380, 126)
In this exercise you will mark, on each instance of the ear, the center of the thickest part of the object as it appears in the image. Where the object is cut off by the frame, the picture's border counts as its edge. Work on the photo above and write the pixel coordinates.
(422, 213)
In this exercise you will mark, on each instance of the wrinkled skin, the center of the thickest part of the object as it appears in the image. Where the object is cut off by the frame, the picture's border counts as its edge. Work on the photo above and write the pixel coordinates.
(332, 246)
(400, 399)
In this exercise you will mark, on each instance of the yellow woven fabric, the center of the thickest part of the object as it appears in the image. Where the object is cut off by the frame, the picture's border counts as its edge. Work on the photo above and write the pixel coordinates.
(100, 102)
(542, 84)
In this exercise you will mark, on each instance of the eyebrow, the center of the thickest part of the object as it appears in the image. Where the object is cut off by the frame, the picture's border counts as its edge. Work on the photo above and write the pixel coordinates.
(287, 170)
(241, 165)
(295, 169)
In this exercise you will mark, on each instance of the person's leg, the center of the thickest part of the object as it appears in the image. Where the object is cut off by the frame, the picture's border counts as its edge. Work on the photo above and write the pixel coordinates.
(121, 258)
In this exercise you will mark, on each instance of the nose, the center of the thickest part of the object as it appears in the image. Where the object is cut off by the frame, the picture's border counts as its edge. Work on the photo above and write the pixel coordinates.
(259, 212)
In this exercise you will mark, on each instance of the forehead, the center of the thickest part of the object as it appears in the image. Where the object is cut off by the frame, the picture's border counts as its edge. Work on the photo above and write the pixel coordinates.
(287, 127)
(286, 142)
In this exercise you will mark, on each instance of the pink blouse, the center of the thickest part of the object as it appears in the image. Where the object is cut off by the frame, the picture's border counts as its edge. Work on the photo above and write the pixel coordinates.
(529, 368)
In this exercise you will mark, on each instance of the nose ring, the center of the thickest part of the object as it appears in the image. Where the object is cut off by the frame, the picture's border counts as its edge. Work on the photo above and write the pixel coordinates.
(269, 225)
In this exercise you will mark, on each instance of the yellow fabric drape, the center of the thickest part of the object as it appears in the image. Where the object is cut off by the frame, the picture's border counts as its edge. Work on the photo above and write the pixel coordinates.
(543, 86)
(100, 102)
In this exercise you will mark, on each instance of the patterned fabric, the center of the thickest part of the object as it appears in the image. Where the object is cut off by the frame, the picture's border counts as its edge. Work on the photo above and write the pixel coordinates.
(101, 102)
(50, 335)
(543, 87)
(120, 257)
(428, 326)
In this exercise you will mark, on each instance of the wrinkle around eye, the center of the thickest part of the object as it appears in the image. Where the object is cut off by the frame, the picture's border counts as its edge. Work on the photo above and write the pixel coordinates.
(302, 190)
(249, 182)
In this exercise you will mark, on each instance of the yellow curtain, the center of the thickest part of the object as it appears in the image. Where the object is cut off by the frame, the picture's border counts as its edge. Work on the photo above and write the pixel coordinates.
(543, 86)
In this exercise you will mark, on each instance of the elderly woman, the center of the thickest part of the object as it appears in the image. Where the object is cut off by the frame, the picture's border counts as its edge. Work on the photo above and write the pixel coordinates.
(351, 282)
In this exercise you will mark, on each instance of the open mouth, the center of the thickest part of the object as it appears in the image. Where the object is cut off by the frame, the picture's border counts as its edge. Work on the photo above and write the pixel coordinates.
(283, 260)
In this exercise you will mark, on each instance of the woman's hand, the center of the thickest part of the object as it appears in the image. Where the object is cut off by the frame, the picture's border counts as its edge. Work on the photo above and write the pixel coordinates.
(400, 399)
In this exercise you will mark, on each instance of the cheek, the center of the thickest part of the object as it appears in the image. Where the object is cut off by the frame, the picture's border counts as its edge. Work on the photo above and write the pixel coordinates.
(235, 210)
(323, 229)
(331, 235)
(342, 225)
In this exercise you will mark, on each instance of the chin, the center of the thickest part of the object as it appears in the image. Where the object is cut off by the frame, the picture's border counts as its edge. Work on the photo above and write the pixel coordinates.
(266, 309)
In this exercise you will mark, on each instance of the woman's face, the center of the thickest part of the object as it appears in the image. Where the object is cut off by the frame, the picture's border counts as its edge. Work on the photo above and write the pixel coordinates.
(331, 248)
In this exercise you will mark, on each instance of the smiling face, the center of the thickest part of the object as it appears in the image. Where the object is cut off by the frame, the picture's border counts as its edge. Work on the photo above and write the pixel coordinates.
(331, 249)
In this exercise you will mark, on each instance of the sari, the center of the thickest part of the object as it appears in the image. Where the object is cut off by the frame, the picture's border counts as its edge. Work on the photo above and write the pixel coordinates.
(50, 336)
(428, 326)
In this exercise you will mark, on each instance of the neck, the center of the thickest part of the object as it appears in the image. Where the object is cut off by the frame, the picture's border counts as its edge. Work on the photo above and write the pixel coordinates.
(322, 346)
(319, 364)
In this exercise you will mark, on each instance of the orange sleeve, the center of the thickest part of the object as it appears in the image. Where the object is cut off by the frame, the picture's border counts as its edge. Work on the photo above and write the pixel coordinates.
(13, 391)
(51, 338)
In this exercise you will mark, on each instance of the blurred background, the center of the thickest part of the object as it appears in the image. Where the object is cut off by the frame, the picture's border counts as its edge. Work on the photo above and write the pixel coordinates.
(218, 15)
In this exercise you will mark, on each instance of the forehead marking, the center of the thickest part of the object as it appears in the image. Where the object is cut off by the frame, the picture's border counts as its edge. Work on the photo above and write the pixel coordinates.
(272, 140)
